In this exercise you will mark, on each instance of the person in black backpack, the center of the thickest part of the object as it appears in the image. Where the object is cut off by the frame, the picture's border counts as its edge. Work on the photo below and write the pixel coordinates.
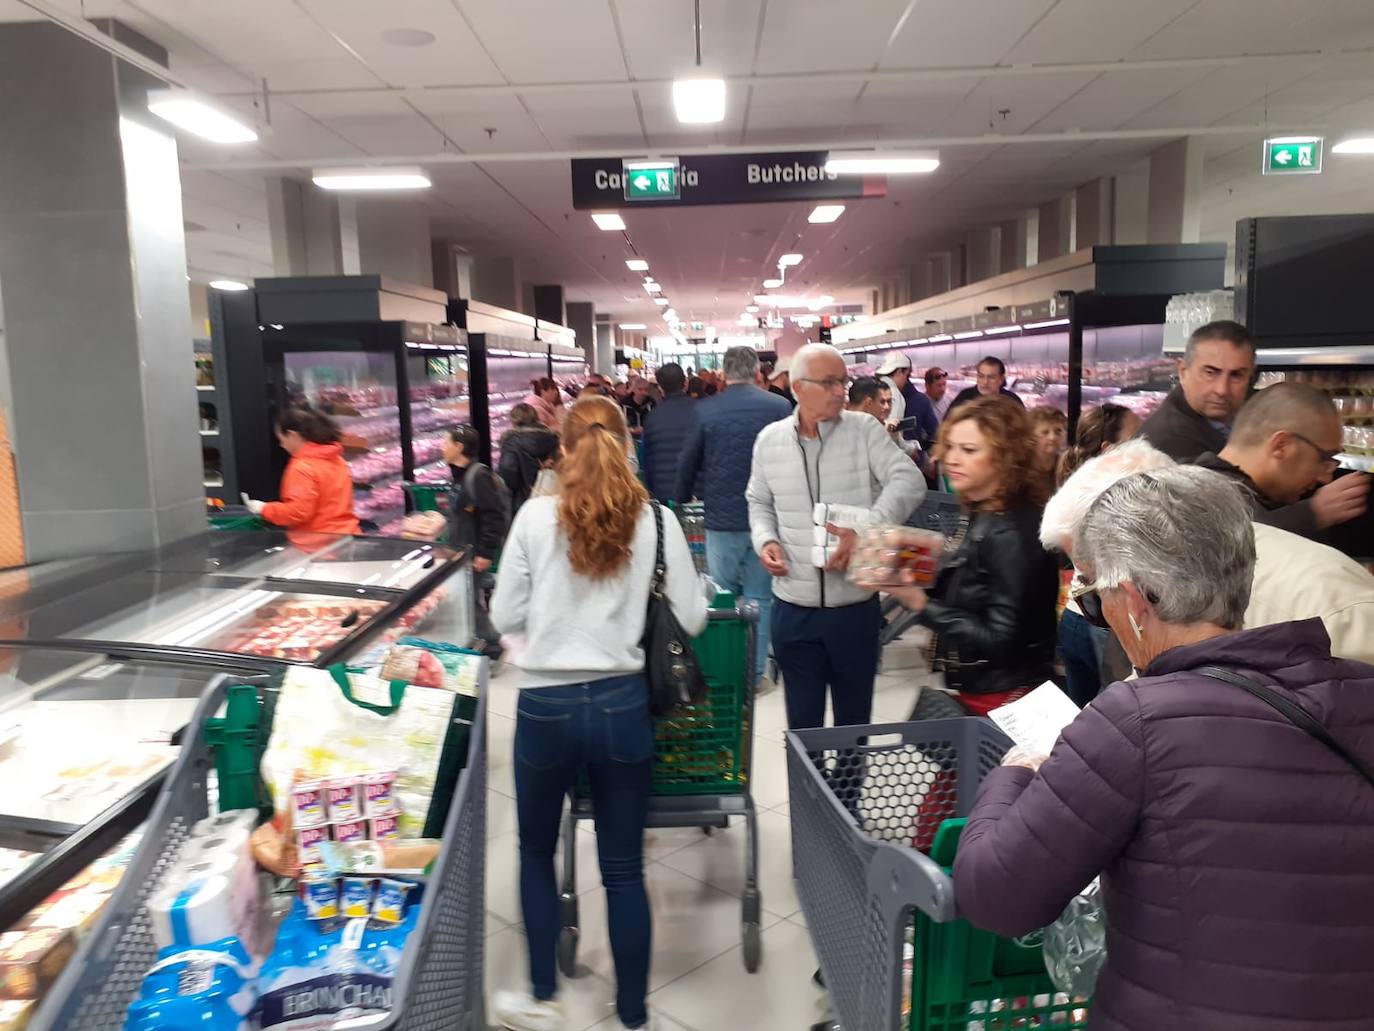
(527, 449)
(479, 516)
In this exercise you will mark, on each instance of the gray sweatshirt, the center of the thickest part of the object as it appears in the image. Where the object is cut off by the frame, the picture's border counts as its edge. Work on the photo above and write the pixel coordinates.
(578, 629)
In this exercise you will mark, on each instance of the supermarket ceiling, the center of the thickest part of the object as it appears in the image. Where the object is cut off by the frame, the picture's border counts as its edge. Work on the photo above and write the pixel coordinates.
(456, 80)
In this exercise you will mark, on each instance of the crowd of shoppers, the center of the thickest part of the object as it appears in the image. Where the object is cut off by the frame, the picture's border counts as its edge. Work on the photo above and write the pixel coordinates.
(1183, 564)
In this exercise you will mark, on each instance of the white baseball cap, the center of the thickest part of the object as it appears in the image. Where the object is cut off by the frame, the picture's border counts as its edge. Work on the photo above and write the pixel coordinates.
(781, 369)
(895, 360)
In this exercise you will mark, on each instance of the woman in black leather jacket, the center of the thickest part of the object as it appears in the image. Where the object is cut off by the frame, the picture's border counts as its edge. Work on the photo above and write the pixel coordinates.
(992, 608)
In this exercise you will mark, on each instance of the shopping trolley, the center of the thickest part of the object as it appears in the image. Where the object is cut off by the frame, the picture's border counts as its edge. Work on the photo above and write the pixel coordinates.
(704, 756)
(438, 986)
(876, 813)
(692, 516)
(939, 513)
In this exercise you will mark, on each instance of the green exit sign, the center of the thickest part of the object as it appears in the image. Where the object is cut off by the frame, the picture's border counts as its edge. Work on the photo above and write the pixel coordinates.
(652, 180)
(1293, 155)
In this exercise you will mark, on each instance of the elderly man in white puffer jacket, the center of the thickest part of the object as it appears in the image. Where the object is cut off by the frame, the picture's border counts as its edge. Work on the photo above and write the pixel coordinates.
(824, 629)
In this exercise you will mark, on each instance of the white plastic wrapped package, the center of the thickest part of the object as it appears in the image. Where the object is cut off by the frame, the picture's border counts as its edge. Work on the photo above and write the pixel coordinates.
(1076, 943)
(323, 973)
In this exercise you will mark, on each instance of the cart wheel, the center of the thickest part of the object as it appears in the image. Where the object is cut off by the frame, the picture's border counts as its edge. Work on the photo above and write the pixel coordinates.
(567, 951)
(708, 831)
(753, 947)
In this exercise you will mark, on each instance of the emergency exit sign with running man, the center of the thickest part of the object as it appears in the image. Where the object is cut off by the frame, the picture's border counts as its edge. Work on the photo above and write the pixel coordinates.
(651, 180)
(1293, 155)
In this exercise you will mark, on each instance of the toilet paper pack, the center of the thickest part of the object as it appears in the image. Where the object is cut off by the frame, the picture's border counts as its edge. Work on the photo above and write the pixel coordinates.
(214, 890)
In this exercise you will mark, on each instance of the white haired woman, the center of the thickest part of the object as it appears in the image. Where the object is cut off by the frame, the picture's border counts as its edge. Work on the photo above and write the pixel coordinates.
(1225, 797)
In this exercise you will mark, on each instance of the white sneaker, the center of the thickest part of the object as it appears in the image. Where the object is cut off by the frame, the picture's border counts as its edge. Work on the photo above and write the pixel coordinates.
(521, 1011)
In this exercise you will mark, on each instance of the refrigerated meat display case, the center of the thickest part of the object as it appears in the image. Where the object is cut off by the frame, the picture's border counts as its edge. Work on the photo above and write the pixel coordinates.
(86, 740)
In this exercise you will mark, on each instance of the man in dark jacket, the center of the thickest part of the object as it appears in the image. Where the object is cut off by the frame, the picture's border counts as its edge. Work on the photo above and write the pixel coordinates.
(667, 428)
(908, 402)
(1214, 378)
(479, 516)
(526, 449)
(720, 450)
(991, 381)
(1283, 445)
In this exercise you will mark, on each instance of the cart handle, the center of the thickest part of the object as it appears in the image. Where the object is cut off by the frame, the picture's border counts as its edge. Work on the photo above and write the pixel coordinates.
(901, 876)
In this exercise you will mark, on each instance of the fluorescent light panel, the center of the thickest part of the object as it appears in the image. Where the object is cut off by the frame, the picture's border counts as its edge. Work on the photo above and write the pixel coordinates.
(227, 284)
(752, 309)
(772, 284)
(351, 179)
(1043, 325)
(194, 113)
(633, 325)
(608, 221)
(1002, 329)
(699, 101)
(661, 300)
(636, 264)
(653, 288)
(825, 213)
(881, 162)
(788, 260)
(1355, 145)
(972, 334)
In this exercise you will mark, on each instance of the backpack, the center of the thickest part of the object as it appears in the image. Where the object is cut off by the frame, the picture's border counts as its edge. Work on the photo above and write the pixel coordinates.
(502, 491)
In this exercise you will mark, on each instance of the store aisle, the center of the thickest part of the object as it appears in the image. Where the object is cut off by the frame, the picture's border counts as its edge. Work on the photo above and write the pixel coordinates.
(698, 981)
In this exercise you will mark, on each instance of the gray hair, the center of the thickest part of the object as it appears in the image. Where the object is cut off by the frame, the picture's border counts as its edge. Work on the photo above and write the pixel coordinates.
(1065, 511)
(1182, 536)
(741, 364)
(1225, 330)
(801, 361)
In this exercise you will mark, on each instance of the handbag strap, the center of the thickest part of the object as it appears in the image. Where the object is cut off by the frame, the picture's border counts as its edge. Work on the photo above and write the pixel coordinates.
(660, 569)
(1293, 712)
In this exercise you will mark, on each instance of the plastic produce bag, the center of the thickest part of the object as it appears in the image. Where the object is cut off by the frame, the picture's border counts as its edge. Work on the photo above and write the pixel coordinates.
(1076, 943)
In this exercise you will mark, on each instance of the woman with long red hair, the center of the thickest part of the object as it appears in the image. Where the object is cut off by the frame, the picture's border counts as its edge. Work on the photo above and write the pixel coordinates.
(574, 580)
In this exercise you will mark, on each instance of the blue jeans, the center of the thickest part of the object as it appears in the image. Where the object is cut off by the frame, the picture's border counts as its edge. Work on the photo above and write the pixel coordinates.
(731, 561)
(820, 649)
(603, 728)
(1080, 646)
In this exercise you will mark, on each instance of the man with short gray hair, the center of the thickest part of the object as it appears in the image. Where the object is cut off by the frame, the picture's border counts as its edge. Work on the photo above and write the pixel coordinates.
(720, 450)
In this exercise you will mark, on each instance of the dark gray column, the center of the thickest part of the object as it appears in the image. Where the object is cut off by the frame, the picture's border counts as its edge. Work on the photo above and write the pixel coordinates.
(549, 304)
(96, 345)
(582, 321)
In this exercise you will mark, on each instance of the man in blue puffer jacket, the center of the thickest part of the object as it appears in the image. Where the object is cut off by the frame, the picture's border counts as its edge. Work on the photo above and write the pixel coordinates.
(722, 451)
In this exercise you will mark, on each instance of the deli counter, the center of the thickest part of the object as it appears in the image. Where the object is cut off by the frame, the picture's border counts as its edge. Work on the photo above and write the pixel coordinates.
(102, 662)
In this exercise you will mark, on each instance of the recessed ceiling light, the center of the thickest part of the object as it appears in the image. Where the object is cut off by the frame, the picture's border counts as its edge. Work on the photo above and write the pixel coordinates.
(232, 285)
(788, 260)
(408, 37)
(636, 264)
(698, 101)
(370, 179)
(196, 114)
(661, 300)
(633, 325)
(825, 213)
(751, 309)
(772, 284)
(608, 221)
(1355, 145)
(653, 288)
(881, 162)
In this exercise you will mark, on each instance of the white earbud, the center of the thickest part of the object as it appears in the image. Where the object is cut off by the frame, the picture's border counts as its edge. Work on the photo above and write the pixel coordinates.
(1134, 625)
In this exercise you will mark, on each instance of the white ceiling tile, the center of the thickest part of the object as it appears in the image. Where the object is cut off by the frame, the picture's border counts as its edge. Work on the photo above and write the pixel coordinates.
(660, 43)
(1250, 27)
(825, 35)
(1113, 98)
(962, 32)
(537, 41)
(1094, 30)
(466, 117)
(454, 57)
(1217, 96)
(1025, 99)
(572, 121)
(813, 110)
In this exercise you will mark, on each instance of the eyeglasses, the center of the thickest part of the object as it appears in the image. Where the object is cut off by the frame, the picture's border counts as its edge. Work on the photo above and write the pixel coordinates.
(1327, 457)
(829, 383)
(1088, 596)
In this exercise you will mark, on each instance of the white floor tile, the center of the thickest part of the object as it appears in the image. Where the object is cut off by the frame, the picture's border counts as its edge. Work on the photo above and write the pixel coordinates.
(660, 1023)
(778, 997)
(769, 786)
(720, 861)
(693, 923)
(500, 814)
(588, 1000)
(503, 872)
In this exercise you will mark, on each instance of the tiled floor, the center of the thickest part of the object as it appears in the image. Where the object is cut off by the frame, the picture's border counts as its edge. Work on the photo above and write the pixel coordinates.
(697, 981)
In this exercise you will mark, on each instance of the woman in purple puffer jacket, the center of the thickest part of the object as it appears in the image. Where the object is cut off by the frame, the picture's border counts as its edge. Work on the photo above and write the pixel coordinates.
(1236, 849)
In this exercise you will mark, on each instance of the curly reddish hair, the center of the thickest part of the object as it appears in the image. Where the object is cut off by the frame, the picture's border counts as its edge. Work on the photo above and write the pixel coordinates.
(1008, 430)
(600, 498)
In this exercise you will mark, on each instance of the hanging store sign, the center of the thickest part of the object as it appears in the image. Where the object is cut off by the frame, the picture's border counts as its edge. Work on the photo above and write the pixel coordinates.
(602, 184)
(1293, 155)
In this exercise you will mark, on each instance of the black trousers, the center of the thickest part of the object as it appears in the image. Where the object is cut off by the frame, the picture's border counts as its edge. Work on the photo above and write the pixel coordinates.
(820, 650)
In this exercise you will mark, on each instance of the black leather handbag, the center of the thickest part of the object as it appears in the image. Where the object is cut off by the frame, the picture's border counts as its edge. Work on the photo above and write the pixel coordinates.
(670, 662)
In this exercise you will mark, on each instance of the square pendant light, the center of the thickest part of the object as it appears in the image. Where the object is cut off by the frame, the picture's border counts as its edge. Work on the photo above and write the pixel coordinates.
(699, 101)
